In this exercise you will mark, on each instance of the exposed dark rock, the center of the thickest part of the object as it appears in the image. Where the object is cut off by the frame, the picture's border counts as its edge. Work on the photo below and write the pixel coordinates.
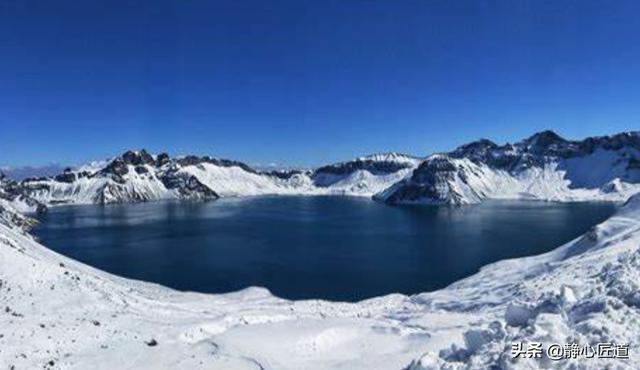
(137, 158)
(375, 167)
(141, 170)
(284, 174)
(433, 179)
(116, 167)
(14, 191)
(66, 176)
(162, 159)
(478, 150)
(188, 186)
(429, 181)
(544, 139)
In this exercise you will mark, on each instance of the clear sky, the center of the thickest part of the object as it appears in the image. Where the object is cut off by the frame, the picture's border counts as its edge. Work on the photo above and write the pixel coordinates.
(308, 82)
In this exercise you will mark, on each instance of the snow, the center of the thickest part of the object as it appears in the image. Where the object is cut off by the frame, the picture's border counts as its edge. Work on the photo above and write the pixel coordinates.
(59, 313)
(89, 190)
(225, 181)
(93, 166)
(234, 181)
(392, 157)
(464, 176)
(359, 183)
(590, 178)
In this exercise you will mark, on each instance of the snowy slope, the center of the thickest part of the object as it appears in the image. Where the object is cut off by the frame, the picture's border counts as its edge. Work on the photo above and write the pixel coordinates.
(58, 313)
(12, 194)
(139, 176)
(101, 189)
(544, 167)
(133, 177)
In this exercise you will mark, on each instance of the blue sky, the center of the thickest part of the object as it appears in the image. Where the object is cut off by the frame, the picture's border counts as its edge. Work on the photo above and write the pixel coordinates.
(308, 82)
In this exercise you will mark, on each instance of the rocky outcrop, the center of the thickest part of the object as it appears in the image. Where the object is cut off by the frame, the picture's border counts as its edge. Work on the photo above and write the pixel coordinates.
(134, 176)
(376, 164)
(543, 166)
(15, 195)
(137, 176)
(432, 180)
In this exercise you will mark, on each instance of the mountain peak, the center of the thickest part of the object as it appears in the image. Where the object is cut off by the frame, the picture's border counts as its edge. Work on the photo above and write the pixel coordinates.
(478, 149)
(478, 144)
(137, 157)
(544, 139)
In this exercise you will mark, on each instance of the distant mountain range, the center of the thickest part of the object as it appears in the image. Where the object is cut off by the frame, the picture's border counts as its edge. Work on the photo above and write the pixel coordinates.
(21, 173)
(544, 166)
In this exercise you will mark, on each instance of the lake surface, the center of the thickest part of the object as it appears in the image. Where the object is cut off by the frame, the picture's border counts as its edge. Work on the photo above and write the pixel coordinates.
(337, 248)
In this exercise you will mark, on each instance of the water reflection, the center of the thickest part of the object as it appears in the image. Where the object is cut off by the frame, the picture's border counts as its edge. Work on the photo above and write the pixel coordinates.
(310, 247)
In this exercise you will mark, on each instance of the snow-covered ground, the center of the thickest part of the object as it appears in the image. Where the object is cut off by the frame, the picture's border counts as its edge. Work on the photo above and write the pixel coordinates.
(59, 313)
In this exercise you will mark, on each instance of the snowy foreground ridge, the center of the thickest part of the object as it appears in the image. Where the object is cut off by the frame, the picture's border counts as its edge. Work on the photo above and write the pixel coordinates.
(59, 313)
(543, 166)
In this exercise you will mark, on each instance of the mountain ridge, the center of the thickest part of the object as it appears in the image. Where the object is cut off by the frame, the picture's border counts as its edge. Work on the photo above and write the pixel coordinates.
(543, 166)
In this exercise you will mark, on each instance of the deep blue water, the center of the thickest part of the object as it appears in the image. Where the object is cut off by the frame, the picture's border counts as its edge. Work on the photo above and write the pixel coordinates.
(336, 248)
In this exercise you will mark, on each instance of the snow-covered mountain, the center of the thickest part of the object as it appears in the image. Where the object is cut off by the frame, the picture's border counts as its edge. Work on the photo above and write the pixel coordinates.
(13, 194)
(543, 166)
(60, 313)
(131, 177)
(139, 176)
(365, 175)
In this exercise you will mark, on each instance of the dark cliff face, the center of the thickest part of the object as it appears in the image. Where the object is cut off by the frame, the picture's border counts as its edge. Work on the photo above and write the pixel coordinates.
(119, 167)
(284, 174)
(162, 159)
(477, 150)
(162, 168)
(12, 191)
(431, 180)
(544, 140)
(138, 158)
(372, 166)
(537, 149)
(188, 186)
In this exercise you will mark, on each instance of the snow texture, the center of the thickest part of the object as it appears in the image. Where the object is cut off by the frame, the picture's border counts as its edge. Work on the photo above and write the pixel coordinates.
(138, 176)
(542, 167)
(60, 313)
